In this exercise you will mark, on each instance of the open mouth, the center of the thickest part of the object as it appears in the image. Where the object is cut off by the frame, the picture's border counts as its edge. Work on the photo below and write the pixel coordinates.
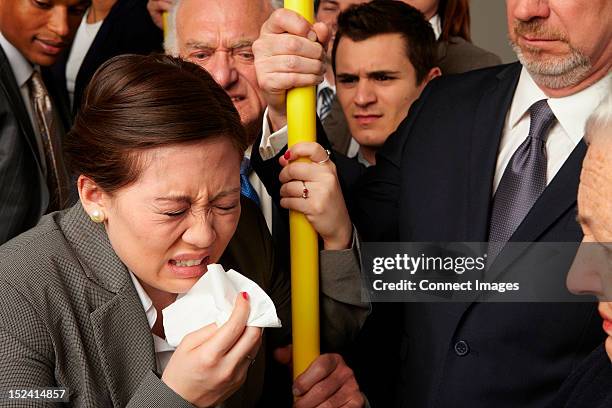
(187, 268)
(188, 262)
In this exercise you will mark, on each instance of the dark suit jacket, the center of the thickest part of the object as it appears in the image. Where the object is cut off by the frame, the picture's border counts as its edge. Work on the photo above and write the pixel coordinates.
(128, 29)
(433, 183)
(24, 196)
(589, 384)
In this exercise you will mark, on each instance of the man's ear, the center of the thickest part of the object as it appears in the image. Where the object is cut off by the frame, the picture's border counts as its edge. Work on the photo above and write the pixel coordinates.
(433, 73)
(93, 198)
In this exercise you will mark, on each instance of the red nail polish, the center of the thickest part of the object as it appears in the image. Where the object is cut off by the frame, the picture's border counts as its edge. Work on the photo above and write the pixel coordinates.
(287, 155)
(245, 295)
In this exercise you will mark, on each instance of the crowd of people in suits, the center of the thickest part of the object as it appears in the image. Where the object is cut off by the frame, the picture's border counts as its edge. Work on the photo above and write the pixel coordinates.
(142, 140)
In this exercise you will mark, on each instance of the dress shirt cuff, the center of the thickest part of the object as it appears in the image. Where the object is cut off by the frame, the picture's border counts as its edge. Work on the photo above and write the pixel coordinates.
(272, 143)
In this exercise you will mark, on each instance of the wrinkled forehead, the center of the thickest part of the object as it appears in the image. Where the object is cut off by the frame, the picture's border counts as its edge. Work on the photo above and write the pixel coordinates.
(595, 191)
(228, 19)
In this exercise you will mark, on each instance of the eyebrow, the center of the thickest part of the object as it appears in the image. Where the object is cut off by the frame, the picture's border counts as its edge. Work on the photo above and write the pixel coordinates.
(369, 74)
(181, 198)
(199, 45)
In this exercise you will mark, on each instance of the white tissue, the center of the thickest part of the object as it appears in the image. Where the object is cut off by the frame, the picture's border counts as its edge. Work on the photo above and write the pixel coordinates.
(211, 300)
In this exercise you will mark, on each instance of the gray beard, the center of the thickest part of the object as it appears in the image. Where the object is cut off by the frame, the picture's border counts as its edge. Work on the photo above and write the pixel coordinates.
(557, 72)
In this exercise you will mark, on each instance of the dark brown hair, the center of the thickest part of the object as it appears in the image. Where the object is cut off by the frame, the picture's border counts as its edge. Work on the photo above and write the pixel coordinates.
(134, 103)
(366, 20)
(455, 18)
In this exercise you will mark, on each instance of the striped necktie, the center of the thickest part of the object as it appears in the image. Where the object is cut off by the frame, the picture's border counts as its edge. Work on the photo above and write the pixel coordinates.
(57, 177)
(324, 99)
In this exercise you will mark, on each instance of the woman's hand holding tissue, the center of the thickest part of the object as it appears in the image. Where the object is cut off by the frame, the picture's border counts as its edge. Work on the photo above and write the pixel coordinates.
(328, 382)
(211, 363)
(312, 188)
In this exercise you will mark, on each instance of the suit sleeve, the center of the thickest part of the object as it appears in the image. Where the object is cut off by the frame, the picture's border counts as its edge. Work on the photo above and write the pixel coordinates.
(26, 355)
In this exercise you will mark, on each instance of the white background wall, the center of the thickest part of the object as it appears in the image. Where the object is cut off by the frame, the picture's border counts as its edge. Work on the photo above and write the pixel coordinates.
(489, 27)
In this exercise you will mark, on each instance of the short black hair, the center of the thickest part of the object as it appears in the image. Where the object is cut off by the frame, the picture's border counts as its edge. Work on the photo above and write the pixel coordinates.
(362, 21)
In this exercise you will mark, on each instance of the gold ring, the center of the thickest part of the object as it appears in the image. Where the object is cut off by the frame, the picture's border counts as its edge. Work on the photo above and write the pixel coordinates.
(326, 159)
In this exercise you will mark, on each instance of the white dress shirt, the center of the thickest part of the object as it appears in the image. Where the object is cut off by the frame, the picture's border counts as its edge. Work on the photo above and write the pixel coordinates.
(82, 42)
(22, 69)
(571, 112)
(163, 350)
(436, 24)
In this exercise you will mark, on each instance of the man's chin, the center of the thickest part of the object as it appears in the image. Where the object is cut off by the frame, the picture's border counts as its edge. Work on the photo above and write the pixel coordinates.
(44, 60)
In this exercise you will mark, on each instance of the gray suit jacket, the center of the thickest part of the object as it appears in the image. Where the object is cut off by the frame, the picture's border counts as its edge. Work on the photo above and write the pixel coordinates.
(70, 315)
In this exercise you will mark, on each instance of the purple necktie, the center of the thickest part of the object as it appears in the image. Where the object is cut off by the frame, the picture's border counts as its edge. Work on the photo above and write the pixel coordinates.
(524, 178)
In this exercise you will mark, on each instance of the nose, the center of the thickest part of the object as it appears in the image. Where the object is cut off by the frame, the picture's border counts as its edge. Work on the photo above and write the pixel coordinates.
(364, 94)
(584, 277)
(200, 232)
(525, 10)
(222, 68)
(58, 21)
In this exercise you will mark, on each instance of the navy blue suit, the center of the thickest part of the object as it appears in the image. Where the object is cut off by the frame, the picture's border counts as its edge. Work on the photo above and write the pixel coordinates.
(433, 183)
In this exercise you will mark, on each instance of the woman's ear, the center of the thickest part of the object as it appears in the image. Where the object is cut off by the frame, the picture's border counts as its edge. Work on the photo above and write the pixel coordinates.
(93, 198)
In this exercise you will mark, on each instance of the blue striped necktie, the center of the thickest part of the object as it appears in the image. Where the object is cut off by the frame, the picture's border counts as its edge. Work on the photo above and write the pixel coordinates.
(246, 188)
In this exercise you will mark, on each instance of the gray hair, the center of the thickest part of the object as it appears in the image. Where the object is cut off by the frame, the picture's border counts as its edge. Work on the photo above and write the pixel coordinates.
(171, 41)
(600, 120)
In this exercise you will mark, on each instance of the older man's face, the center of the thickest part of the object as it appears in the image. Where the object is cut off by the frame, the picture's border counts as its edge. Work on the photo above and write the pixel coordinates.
(561, 42)
(218, 35)
(591, 272)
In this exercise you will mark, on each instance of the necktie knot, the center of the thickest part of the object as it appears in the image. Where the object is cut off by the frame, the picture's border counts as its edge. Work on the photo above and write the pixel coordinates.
(542, 118)
(37, 88)
(245, 167)
(246, 188)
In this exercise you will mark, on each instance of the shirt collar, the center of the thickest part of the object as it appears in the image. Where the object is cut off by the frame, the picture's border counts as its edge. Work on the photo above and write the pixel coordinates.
(147, 303)
(571, 111)
(22, 69)
(325, 84)
(436, 24)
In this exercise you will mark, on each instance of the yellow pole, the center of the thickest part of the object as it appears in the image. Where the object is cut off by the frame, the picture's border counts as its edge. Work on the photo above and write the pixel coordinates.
(304, 244)
(165, 23)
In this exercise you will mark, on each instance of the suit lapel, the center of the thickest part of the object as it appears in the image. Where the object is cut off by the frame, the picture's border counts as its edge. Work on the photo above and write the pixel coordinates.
(486, 135)
(559, 197)
(125, 344)
(556, 199)
(120, 327)
(9, 86)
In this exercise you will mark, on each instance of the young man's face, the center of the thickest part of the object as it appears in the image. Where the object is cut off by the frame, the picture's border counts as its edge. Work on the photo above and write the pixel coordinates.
(376, 84)
(41, 29)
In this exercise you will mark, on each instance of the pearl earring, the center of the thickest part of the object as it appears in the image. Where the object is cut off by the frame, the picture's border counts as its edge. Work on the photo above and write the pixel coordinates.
(97, 216)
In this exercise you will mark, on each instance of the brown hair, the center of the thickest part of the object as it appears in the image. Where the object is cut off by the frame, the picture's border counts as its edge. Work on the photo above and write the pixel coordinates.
(455, 18)
(362, 21)
(134, 103)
